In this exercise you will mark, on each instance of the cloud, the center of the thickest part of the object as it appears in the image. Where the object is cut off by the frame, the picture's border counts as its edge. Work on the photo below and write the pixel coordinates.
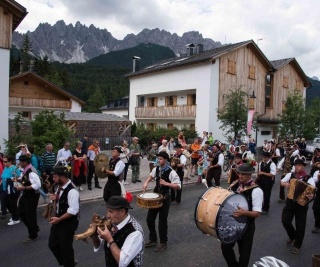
(289, 28)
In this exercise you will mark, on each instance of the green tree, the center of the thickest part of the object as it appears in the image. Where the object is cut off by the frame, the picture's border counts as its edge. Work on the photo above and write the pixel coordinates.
(292, 120)
(233, 115)
(312, 121)
(95, 101)
(25, 51)
(49, 127)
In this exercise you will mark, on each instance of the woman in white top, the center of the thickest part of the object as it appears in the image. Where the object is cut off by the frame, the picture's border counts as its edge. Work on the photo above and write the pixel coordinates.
(124, 157)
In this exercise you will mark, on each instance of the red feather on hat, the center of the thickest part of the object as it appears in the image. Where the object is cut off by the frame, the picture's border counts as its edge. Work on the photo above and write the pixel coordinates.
(129, 197)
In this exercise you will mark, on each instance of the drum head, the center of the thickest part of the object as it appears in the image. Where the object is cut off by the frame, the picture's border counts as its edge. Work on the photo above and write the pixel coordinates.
(149, 195)
(228, 228)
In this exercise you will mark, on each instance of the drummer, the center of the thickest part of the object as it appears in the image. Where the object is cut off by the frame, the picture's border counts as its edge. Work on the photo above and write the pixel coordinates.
(245, 185)
(166, 179)
(116, 167)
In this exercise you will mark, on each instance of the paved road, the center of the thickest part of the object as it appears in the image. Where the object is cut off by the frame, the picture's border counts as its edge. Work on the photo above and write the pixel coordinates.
(187, 245)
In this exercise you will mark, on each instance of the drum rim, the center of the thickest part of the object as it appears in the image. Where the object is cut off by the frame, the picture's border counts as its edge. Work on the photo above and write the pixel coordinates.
(218, 213)
(159, 195)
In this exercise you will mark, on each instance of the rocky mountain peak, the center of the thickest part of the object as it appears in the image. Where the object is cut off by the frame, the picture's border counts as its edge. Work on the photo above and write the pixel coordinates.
(79, 43)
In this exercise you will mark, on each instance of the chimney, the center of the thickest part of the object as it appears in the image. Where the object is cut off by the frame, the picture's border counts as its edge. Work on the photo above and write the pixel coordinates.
(21, 67)
(199, 48)
(190, 48)
(136, 64)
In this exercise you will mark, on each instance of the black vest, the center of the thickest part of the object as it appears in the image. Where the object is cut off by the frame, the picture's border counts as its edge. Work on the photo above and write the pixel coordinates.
(265, 168)
(179, 170)
(26, 182)
(112, 166)
(119, 238)
(63, 202)
(215, 158)
(164, 190)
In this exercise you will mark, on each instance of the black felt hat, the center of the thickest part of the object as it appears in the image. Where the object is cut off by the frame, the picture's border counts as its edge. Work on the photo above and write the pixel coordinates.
(299, 161)
(245, 168)
(163, 154)
(60, 170)
(178, 145)
(238, 156)
(117, 148)
(266, 154)
(117, 202)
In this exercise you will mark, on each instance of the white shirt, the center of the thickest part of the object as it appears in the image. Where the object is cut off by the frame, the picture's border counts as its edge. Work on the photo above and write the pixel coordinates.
(164, 148)
(118, 169)
(17, 157)
(173, 176)
(63, 153)
(91, 154)
(73, 199)
(278, 152)
(34, 180)
(131, 247)
(315, 176)
(183, 160)
(273, 167)
(221, 159)
(123, 155)
(286, 179)
(257, 199)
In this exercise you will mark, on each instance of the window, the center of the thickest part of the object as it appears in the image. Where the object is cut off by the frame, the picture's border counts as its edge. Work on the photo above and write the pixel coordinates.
(170, 126)
(298, 85)
(152, 126)
(26, 114)
(141, 102)
(285, 82)
(252, 72)
(171, 100)
(152, 102)
(191, 99)
(232, 67)
(268, 98)
(265, 132)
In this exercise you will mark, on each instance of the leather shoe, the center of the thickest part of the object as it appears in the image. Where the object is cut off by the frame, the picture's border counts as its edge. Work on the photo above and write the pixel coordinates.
(160, 247)
(89, 187)
(138, 180)
(98, 186)
(289, 241)
(133, 181)
(150, 244)
(295, 250)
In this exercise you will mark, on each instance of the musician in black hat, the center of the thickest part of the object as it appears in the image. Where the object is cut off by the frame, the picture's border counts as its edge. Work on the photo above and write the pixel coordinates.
(65, 223)
(116, 167)
(179, 168)
(215, 168)
(166, 179)
(316, 202)
(246, 186)
(266, 175)
(294, 209)
(123, 246)
(29, 184)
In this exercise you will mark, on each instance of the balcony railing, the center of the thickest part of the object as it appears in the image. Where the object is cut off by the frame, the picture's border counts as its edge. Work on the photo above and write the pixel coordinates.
(44, 103)
(166, 112)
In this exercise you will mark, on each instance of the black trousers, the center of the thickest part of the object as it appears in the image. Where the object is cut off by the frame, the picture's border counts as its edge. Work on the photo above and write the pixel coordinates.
(163, 221)
(316, 209)
(266, 185)
(112, 188)
(125, 171)
(28, 213)
(214, 173)
(179, 192)
(12, 200)
(282, 190)
(291, 210)
(61, 240)
(4, 201)
(244, 248)
(90, 174)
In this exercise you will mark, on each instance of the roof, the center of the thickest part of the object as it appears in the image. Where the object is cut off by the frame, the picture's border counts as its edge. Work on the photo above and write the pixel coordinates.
(279, 63)
(117, 104)
(205, 56)
(18, 11)
(83, 116)
(58, 89)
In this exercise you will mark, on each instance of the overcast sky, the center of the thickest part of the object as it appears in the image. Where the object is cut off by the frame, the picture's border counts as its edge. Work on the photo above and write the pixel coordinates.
(288, 28)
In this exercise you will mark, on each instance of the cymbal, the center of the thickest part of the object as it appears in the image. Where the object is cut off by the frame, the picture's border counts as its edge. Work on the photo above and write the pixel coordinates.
(99, 167)
(101, 158)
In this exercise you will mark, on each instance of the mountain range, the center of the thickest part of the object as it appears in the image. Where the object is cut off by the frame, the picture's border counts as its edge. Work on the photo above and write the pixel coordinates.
(79, 43)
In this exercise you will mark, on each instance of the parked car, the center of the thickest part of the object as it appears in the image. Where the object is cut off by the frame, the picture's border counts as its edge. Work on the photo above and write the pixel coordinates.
(310, 148)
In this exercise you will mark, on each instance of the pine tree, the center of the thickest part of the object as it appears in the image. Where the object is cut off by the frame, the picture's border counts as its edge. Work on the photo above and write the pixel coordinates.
(25, 51)
(95, 101)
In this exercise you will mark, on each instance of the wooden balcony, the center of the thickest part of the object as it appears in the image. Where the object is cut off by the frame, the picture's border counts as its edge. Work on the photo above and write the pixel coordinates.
(39, 103)
(166, 112)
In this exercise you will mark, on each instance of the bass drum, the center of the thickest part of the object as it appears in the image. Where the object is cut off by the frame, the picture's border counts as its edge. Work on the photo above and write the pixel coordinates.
(214, 214)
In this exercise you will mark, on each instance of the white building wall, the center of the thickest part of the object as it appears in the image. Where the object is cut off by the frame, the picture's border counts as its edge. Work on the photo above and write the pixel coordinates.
(75, 106)
(4, 100)
(171, 82)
